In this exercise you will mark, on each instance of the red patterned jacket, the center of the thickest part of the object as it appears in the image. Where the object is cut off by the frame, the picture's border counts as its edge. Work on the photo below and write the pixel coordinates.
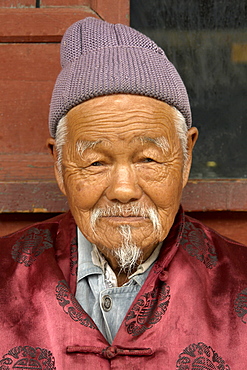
(190, 314)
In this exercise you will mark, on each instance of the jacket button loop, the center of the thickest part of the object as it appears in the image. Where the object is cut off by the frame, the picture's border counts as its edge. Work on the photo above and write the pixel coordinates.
(110, 352)
(163, 275)
(106, 303)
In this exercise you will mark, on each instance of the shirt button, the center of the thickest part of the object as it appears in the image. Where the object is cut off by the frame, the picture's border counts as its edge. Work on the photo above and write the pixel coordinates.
(106, 303)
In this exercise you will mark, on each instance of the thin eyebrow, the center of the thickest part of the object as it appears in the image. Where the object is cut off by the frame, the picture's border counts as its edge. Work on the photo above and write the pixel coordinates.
(160, 142)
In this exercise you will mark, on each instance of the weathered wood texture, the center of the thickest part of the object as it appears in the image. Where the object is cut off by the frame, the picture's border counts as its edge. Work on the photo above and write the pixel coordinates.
(39, 25)
(115, 12)
(65, 3)
(17, 3)
(31, 196)
(28, 72)
(216, 195)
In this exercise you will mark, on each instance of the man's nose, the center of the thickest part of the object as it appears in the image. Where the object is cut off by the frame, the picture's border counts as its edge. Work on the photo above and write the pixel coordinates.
(123, 185)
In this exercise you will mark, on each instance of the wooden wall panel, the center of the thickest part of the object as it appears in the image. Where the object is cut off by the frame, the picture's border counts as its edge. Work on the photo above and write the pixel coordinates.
(31, 196)
(216, 195)
(115, 12)
(39, 25)
(17, 3)
(28, 72)
(42, 3)
(65, 3)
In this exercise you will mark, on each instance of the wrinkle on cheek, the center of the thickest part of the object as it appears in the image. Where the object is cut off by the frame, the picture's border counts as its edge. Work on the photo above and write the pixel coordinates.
(152, 174)
(74, 173)
(163, 174)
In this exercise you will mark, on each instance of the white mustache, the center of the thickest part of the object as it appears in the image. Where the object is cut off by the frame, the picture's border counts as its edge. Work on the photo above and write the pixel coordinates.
(130, 210)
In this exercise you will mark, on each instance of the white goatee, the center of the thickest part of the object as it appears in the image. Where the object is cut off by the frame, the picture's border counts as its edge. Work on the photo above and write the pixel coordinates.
(128, 254)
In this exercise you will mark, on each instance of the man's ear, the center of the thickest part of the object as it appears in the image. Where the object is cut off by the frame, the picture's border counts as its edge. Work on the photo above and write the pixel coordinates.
(192, 136)
(51, 144)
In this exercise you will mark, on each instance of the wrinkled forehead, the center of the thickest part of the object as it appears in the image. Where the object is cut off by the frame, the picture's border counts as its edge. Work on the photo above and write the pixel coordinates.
(117, 114)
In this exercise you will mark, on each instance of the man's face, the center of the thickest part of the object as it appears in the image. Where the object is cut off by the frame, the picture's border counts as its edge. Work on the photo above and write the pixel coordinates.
(123, 151)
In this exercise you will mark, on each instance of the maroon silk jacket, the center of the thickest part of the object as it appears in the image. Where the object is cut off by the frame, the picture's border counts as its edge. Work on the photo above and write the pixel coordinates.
(190, 314)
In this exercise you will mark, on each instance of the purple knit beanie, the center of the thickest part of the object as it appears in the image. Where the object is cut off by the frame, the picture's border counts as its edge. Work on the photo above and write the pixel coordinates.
(99, 58)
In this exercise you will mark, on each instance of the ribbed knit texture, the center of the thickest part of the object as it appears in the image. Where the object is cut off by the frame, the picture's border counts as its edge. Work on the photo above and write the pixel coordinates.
(99, 58)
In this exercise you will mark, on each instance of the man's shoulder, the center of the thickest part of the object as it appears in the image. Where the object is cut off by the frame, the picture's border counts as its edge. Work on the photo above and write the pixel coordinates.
(47, 239)
(192, 224)
(37, 230)
(210, 247)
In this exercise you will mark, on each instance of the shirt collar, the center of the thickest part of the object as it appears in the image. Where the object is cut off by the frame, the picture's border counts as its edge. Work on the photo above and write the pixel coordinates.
(91, 261)
(85, 264)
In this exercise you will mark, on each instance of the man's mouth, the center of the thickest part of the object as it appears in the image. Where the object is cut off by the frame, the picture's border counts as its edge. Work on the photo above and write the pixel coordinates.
(124, 214)
(125, 218)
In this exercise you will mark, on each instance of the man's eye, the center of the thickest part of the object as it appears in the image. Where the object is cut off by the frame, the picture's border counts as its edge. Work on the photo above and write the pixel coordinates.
(95, 164)
(147, 160)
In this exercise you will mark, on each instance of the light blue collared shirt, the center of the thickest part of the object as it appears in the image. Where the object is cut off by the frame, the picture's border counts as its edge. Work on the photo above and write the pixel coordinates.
(106, 305)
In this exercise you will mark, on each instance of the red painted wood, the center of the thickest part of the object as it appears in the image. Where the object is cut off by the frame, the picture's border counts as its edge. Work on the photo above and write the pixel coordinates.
(66, 3)
(27, 76)
(31, 196)
(112, 11)
(20, 168)
(215, 195)
(39, 25)
(48, 24)
(17, 3)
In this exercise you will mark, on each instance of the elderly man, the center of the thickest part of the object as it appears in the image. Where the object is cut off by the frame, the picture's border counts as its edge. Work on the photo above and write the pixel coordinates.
(125, 279)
